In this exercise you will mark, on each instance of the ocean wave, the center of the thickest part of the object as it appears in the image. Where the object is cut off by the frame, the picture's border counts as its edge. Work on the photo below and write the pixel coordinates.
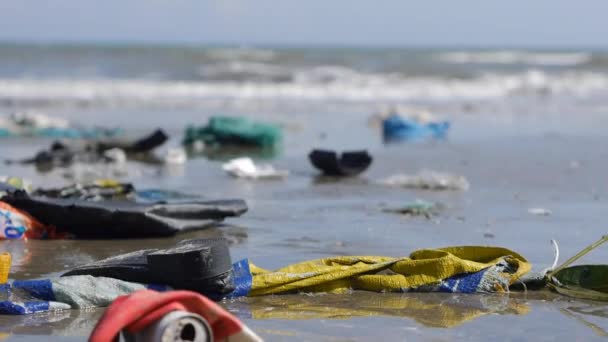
(241, 53)
(516, 57)
(354, 87)
(245, 71)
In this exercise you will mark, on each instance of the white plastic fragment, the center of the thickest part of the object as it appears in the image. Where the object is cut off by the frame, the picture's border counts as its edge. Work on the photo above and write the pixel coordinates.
(539, 211)
(246, 168)
(38, 120)
(175, 156)
(428, 180)
(116, 155)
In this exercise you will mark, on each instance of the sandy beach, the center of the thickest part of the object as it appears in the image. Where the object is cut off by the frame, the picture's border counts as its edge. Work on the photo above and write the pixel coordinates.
(551, 162)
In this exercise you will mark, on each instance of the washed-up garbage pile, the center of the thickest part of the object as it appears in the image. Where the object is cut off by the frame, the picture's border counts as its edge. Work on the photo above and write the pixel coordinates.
(204, 266)
(81, 211)
(94, 151)
(31, 124)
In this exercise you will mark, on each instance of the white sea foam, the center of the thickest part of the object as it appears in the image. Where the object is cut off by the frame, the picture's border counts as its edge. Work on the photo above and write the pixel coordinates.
(516, 57)
(336, 85)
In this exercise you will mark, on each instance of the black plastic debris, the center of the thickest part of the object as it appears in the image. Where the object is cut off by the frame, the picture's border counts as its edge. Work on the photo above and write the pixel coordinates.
(201, 265)
(142, 145)
(347, 164)
(60, 154)
(123, 219)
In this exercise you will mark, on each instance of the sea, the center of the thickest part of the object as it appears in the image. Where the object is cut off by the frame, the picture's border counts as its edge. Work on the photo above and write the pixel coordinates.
(302, 78)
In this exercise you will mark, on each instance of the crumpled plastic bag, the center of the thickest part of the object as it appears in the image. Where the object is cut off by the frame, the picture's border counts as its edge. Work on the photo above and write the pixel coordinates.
(466, 269)
(246, 168)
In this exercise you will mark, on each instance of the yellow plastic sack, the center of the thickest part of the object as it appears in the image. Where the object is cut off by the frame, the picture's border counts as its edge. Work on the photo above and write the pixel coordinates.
(425, 267)
(5, 267)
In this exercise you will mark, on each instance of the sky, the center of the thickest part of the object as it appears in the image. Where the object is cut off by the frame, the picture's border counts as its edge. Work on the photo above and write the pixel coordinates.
(533, 23)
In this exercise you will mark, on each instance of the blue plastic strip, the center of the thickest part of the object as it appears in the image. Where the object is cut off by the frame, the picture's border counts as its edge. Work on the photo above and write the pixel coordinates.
(12, 308)
(242, 279)
(41, 289)
(463, 283)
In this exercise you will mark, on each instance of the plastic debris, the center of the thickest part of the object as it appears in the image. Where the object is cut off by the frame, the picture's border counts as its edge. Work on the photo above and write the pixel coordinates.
(31, 124)
(246, 168)
(428, 180)
(170, 316)
(539, 211)
(102, 151)
(5, 267)
(398, 128)
(201, 265)
(465, 269)
(102, 189)
(581, 281)
(234, 131)
(349, 163)
(175, 156)
(17, 224)
(15, 183)
(110, 219)
(417, 208)
(24, 297)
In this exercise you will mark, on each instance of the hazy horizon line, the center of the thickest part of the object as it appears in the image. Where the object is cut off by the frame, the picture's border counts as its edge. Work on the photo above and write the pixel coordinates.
(285, 45)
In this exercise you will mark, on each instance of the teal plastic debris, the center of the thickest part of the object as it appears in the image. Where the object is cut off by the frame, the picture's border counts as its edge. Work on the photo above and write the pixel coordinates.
(234, 131)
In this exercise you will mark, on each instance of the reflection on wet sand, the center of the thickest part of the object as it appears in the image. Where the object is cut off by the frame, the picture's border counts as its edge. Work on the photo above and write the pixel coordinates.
(584, 312)
(429, 309)
(59, 323)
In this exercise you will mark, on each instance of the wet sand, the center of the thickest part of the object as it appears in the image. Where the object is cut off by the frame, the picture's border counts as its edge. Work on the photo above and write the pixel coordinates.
(512, 167)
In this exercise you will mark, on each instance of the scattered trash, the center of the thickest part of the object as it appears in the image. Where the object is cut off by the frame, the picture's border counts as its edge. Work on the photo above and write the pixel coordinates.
(348, 164)
(234, 131)
(175, 156)
(201, 265)
(245, 168)
(204, 266)
(110, 219)
(24, 297)
(103, 189)
(170, 316)
(428, 180)
(417, 208)
(466, 269)
(539, 211)
(5, 267)
(16, 183)
(102, 151)
(17, 224)
(31, 124)
(581, 281)
(398, 128)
